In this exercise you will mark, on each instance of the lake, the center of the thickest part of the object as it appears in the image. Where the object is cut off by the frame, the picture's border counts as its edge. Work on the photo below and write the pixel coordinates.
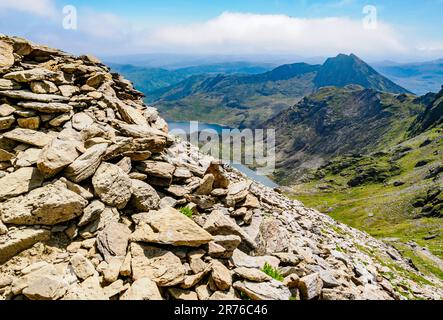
(185, 127)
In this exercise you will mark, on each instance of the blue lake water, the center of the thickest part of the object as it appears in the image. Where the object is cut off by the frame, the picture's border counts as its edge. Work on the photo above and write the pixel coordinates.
(187, 128)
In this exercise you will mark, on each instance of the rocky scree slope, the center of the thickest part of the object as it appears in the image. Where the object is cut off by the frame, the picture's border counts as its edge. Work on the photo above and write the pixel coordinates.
(89, 191)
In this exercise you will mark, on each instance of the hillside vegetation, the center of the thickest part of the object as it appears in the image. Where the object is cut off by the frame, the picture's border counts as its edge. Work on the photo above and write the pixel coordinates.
(250, 100)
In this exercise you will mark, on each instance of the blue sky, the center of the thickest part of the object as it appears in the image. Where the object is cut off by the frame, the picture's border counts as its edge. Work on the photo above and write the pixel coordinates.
(406, 30)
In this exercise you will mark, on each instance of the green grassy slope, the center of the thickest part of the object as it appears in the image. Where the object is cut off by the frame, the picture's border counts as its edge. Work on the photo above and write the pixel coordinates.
(386, 194)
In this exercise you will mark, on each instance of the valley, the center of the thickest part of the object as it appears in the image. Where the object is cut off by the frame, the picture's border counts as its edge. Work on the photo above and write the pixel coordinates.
(350, 143)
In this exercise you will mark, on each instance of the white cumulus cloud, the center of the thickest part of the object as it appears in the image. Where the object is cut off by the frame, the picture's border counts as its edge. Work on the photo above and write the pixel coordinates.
(44, 8)
(252, 33)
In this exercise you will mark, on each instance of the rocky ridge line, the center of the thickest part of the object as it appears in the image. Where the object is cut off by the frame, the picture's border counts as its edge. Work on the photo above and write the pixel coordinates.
(90, 187)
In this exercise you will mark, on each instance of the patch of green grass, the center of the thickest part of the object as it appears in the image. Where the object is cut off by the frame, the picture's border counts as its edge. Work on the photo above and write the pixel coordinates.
(380, 208)
(186, 211)
(272, 272)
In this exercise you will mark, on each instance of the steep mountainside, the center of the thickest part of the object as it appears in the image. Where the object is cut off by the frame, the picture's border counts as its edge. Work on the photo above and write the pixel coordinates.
(395, 195)
(343, 70)
(149, 80)
(250, 100)
(433, 115)
(336, 121)
(99, 202)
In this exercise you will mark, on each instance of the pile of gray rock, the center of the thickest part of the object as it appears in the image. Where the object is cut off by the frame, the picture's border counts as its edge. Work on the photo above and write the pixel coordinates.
(91, 187)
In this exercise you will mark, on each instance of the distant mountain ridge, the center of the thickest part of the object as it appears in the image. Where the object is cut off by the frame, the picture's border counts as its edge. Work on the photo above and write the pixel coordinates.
(418, 77)
(336, 121)
(149, 79)
(249, 100)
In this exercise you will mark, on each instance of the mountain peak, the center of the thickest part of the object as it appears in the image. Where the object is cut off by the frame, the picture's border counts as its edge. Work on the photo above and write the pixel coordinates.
(345, 69)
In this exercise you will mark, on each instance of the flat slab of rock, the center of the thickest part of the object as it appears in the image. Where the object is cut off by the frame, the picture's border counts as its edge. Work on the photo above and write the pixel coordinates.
(86, 165)
(49, 205)
(159, 173)
(46, 288)
(241, 259)
(142, 289)
(220, 224)
(271, 290)
(237, 192)
(8, 84)
(250, 274)
(50, 107)
(28, 95)
(170, 226)
(112, 185)
(35, 74)
(19, 182)
(18, 240)
(35, 138)
(112, 241)
(160, 265)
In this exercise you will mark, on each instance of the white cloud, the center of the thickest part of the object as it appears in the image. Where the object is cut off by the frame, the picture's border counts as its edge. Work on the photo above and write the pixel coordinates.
(44, 8)
(252, 33)
(103, 25)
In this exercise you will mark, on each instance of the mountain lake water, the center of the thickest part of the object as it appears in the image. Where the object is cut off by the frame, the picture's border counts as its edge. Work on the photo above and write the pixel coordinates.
(187, 128)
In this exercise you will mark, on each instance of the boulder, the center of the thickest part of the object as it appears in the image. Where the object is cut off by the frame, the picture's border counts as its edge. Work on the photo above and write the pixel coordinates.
(82, 267)
(159, 173)
(112, 185)
(237, 192)
(220, 275)
(81, 121)
(142, 289)
(241, 259)
(19, 182)
(92, 212)
(220, 224)
(6, 110)
(6, 56)
(8, 85)
(144, 197)
(32, 123)
(160, 265)
(6, 122)
(180, 294)
(169, 226)
(310, 286)
(206, 185)
(56, 156)
(86, 165)
(46, 288)
(18, 240)
(90, 289)
(35, 138)
(113, 240)
(43, 87)
(270, 290)
(49, 205)
(252, 274)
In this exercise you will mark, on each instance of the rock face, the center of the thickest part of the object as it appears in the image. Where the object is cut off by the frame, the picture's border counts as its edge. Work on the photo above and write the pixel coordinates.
(98, 202)
(49, 205)
(19, 182)
(169, 226)
(112, 185)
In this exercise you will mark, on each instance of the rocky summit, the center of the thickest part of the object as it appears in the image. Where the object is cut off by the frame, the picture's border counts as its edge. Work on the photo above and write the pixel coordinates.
(99, 202)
